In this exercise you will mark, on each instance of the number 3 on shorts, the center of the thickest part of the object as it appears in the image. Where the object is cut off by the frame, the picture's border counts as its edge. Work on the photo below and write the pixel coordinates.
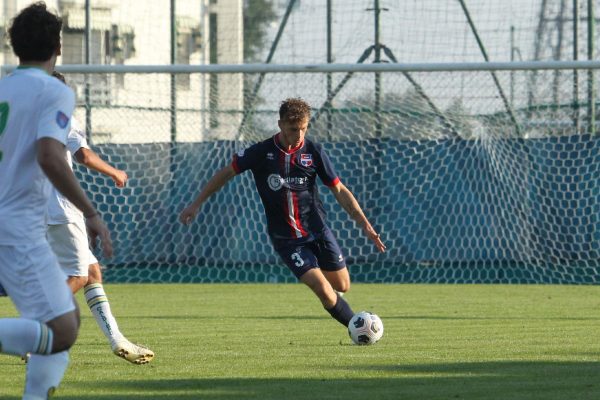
(3, 119)
(298, 261)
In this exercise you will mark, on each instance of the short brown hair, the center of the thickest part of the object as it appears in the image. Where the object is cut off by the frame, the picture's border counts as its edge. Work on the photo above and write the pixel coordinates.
(294, 109)
(35, 33)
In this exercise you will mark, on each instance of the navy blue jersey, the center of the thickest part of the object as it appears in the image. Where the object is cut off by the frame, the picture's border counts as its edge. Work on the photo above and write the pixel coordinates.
(286, 183)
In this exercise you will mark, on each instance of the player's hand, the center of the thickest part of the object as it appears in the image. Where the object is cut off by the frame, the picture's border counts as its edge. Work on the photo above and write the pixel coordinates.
(97, 229)
(188, 214)
(120, 178)
(375, 238)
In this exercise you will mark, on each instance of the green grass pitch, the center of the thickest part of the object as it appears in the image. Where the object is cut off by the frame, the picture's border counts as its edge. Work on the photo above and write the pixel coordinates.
(273, 341)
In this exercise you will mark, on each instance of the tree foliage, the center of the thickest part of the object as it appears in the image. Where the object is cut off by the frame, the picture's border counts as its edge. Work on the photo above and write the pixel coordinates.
(258, 15)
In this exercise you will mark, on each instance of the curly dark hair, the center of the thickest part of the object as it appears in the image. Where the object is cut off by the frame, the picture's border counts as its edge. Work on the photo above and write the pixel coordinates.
(59, 76)
(35, 33)
(294, 109)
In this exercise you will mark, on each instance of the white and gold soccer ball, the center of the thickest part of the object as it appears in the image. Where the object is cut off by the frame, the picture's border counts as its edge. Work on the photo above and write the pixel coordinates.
(365, 328)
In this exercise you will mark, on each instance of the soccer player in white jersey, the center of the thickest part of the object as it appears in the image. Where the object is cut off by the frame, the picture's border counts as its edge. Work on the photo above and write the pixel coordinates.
(68, 239)
(35, 112)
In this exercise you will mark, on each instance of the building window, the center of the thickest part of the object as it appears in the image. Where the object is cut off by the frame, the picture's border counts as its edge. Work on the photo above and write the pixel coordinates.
(189, 41)
(74, 53)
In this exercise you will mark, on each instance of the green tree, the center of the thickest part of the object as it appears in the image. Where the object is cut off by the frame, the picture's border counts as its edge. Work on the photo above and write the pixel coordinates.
(258, 15)
(405, 116)
(461, 118)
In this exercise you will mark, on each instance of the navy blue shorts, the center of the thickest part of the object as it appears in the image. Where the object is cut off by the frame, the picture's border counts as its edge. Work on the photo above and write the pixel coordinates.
(321, 252)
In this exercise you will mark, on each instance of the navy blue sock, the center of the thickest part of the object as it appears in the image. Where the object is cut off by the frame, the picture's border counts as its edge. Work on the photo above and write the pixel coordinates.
(341, 311)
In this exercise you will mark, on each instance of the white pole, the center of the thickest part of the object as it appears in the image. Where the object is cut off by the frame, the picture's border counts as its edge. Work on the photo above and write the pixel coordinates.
(319, 68)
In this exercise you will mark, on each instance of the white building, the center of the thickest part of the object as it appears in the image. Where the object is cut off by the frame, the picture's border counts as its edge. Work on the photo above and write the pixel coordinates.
(137, 108)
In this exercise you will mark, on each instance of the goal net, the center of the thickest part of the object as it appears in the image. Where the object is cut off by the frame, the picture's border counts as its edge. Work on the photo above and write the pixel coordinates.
(469, 175)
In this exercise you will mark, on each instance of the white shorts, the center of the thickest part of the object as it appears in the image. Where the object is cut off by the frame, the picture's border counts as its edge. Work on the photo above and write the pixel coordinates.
(92, 259)
(70, 244)
(34, 281)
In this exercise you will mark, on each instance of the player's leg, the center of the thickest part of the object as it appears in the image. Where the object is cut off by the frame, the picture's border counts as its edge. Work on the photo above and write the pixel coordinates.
(45, 372)
(97, 301)
(302, 261)
(333, 302)
(49, 318)
(70, 244)
(76, 283)
(339, 280)
(332, 262)
(19, 336)
(314, 279)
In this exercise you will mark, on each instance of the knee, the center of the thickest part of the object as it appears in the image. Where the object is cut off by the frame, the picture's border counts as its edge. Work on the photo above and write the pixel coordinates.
(340, 280)
(76, 283)
(342, 287)
(95, 276)
(65, 329)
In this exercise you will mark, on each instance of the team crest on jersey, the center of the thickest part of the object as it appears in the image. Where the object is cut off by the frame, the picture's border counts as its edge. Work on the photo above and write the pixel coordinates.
(241, 153)
(62, 120)
(270, 156)
(306, 160)
(275, 182)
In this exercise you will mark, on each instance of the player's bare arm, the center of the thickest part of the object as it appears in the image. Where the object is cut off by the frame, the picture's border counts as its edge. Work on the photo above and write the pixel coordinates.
(215, 184)
(350, 204)
(93, 161)
(51, 157)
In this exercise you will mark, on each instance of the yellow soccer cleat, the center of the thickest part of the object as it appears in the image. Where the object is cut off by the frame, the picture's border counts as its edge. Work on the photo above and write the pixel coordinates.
(133, 353)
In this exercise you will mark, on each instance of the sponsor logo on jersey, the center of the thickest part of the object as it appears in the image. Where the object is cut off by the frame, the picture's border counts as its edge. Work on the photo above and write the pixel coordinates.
(270, 156)
(296, 180)
(275, 182)
(340, 258)
(306, 160)
(62, 120)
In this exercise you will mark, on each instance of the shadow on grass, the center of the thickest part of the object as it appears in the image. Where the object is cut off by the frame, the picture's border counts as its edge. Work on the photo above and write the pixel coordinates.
(488, 380)
(234, 317)
(325, 317)
(491, 318)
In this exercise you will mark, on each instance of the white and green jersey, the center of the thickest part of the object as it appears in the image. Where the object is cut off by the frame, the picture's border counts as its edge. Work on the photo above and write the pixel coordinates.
(33, 105)
(60, 209)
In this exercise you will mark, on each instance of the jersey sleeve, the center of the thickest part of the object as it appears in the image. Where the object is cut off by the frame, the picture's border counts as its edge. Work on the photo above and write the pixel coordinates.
(56, 108)
(325, 168)
(246, 159)
(76, 138)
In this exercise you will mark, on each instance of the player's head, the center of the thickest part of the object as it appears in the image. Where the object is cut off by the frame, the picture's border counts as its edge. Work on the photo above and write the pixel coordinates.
(35, 34)
(294, 116)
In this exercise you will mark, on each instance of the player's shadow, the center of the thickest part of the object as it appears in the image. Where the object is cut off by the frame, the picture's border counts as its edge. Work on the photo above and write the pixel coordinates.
(515, 380)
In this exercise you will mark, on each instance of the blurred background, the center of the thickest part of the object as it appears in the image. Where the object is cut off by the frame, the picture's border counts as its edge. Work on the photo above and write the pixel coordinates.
(474, 175)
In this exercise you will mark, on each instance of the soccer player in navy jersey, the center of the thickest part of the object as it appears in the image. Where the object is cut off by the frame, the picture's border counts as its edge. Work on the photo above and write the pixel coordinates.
(285, 168)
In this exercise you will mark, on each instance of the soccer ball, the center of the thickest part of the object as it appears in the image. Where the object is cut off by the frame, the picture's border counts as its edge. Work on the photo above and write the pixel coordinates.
(365, 328)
